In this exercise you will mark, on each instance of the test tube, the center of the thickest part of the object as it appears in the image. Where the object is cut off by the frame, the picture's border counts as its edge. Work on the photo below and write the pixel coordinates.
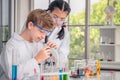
(60, 75)
(14, 65)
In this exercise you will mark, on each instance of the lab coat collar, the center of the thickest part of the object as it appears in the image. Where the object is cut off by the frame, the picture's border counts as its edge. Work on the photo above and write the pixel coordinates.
(17, 37)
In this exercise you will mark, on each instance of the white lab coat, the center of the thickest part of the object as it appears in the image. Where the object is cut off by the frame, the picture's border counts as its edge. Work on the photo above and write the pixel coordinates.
(25, 58)
(63, 45)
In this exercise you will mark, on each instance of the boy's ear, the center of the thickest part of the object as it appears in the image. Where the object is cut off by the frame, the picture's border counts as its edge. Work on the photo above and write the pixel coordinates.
(30, 25)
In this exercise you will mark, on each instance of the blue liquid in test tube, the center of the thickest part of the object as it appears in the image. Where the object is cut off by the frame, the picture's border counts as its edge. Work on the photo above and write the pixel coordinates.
(14, 72)
(14, 64)
(60, 74)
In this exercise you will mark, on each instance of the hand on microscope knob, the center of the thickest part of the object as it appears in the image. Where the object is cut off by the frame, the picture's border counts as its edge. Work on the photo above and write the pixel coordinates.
(52, 44)
(43, 54)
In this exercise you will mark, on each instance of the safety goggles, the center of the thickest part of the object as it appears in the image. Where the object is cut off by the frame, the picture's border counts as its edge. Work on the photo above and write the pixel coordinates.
(42, 29)
(57, 19)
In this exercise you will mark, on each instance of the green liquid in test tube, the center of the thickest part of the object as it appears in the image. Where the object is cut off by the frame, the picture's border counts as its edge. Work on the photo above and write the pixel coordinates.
(65, 77)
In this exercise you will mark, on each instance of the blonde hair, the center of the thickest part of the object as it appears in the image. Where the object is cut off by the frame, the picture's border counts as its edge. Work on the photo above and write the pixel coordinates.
(41, 17)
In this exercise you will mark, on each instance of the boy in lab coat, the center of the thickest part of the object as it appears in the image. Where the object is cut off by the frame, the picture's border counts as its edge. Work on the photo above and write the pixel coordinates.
(38, 24)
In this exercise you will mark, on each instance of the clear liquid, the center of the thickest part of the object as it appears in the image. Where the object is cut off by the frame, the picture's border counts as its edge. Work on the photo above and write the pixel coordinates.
(14, 72)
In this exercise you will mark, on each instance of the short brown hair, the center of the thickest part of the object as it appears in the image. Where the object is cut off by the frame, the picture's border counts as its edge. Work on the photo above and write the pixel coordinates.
(40, 16)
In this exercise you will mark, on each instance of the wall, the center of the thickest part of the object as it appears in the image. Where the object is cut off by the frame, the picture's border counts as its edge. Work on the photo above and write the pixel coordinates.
(22, 8)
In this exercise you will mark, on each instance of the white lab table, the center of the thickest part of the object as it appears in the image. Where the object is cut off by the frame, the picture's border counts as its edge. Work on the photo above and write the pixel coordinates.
(105, 75)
